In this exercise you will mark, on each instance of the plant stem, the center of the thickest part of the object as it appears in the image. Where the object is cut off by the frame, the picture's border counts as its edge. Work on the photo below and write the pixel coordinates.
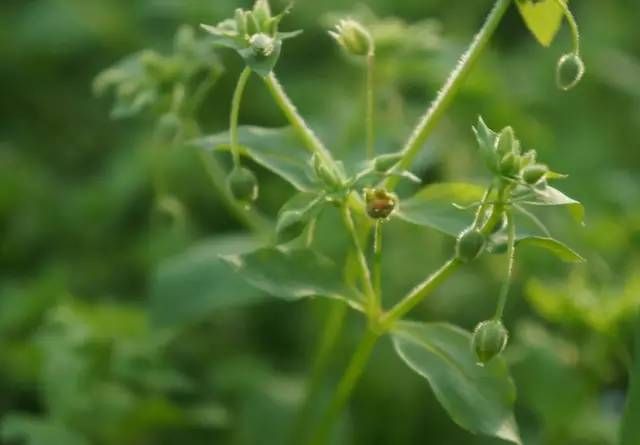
(297, 122)
(235, 111)
(575, 32)
(451, 87)
(365, 274)
(331, 331)
(511, 253)
(420, 292)
(370, 106)
(345, 387)
(377, 263)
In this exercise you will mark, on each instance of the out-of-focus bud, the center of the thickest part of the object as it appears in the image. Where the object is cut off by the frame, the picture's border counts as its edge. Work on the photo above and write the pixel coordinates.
(353, 37)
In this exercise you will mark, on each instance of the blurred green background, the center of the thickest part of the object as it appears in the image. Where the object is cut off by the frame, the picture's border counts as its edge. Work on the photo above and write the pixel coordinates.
(90, 354)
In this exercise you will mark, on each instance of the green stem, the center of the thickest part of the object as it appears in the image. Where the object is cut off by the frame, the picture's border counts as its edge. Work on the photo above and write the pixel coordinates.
(235, 111)
(511, 253)
(452, 86)
(575, 32)
(298, 123)
(377, 263)
(331, 331)
(370, 106)
(363, 268)
(345, 387)
(420, 292)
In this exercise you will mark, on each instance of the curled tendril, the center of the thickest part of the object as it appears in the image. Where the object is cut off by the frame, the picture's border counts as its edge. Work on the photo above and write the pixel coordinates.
(570, 68)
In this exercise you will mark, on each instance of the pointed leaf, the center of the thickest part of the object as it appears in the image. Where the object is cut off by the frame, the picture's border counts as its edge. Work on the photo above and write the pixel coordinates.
(291, 274)
(296, 214)
(549, 196)
(478, 398)
(276, 149)
(542, 17)
(554, 246)
(433, 207)
(189, 286)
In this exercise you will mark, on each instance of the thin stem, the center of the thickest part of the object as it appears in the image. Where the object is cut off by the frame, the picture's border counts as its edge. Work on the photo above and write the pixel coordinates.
(363, 267)
(420, 292)
(345, 387)
(511, 253)
(575, 32)
(370, 106)
(483, 206)
(235, 111)
(377, 262)
(331, 330)
(298, 123)
(452, 86)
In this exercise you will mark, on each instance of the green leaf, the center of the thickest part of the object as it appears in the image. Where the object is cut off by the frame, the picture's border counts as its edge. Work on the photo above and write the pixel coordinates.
(276, 149)
(542, 17)
(630, 428)
(549, 196)
(478, 398)
(433, 207)
(554, 246)
(187, 287)
(296, 214)
(292, 274)
(35, 431)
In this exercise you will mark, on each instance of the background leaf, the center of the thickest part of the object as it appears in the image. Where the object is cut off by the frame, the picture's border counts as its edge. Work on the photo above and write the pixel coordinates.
(276, 149)
(478, 398)
(550, 196)
(189, 286)
(630, 427)
(554, 246)
(543, 18)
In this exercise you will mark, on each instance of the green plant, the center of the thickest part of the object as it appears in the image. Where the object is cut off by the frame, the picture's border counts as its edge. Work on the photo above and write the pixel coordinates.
(287, 263)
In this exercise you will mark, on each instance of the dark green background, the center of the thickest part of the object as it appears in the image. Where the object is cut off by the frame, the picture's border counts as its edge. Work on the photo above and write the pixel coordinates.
(80, 362)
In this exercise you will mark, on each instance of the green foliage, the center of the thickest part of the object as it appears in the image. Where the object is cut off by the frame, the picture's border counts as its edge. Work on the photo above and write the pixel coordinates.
(542, 17)
(479, 398)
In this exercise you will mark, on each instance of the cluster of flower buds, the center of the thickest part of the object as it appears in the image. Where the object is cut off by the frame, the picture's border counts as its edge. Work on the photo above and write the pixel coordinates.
(503, 155)
(254, 35)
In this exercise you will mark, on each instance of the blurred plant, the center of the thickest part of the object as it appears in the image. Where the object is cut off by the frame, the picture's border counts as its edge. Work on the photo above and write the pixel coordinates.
(476, 391)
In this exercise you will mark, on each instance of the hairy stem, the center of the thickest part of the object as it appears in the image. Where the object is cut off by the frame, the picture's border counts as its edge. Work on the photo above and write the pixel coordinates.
(428, 122)
(345, 387)
(363, 267)
(377, 263)
(511, 253)
(370, 106)
(298, 123)
(575, 32)
(235, 111)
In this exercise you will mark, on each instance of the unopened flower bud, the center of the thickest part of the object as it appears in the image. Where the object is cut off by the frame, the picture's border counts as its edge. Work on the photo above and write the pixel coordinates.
(353, 37)
(380, 203)
(505, 141)
(470, 245)
(243, 185)
(489, 340)
(509, 164)
(262, 45)
(532, 174)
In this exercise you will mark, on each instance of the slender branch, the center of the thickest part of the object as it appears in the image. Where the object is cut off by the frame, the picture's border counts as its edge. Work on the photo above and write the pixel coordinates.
(370, 106)
(511, 252)
(363, 268)
(235, 111)
(377, 263)
(298, 123)
(575, 32)
(345, 387)
(452, 86)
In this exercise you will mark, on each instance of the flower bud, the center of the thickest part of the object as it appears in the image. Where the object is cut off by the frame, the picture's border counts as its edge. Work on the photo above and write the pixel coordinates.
(569, 71)
(470, 245)
(353, 37)
(504, 145)
(262, 12)
(509, 164)
(243, 185)
(262, 45)
(380, 203)
(383, 163)
(532, 174)
(489, 339)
